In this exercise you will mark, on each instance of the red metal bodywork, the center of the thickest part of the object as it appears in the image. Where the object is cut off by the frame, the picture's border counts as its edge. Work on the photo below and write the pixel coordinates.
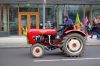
(75, 31)
(32, 33)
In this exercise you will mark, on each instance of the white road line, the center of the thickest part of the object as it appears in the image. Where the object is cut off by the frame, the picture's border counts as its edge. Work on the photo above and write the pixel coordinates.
(66, 59)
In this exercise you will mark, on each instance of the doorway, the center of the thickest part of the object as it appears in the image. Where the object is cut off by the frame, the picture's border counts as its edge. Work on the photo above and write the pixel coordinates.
(27, 20)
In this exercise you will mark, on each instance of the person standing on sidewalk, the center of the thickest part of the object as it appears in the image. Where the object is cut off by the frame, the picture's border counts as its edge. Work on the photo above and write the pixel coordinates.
(98, 35)
(95, 27)
(48, 24)
(24, 30)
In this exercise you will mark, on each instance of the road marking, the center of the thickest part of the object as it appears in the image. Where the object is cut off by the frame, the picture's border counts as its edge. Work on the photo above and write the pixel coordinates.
(77, 59)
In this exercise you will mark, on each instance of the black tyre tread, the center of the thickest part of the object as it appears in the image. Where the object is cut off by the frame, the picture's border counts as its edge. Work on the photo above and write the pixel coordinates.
(62, 49)
(83, 40)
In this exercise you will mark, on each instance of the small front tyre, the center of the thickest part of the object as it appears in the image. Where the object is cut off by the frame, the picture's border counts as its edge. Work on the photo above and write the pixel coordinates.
(37, 50)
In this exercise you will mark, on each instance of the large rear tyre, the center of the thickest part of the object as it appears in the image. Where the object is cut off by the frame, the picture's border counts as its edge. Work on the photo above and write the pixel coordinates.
(37, 50)
(74, 45)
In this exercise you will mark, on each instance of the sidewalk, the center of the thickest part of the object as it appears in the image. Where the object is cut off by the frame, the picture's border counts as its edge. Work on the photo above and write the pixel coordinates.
(21, 41)
(93, 41)
(13, 41)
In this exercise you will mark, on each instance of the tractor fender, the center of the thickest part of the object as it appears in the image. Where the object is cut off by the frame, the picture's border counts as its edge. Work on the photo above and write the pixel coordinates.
(75, 31)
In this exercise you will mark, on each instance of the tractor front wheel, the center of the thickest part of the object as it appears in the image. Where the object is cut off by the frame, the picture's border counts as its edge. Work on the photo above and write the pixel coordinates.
(74, 45)
(37, 50)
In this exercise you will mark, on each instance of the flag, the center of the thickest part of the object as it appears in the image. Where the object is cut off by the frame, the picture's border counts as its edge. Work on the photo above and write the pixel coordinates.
(77, 22)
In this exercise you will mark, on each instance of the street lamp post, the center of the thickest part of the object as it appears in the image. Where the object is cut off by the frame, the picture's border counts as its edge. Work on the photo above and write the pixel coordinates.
(44, 3)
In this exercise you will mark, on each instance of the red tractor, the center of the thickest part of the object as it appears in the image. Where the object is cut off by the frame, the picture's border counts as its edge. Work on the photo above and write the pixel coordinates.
(71, 43)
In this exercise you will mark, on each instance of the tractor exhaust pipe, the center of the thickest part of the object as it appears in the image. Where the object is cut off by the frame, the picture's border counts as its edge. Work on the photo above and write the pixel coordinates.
(49, 39)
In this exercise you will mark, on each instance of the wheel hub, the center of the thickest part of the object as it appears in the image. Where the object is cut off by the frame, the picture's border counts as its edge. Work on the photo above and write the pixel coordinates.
(74, 45)
(37, 50)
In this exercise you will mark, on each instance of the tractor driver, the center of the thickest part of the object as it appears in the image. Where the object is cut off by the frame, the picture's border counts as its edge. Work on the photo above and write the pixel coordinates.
(67, 25)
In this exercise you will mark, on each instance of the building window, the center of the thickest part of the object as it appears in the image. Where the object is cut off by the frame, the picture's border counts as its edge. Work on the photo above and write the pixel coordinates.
(13, 18)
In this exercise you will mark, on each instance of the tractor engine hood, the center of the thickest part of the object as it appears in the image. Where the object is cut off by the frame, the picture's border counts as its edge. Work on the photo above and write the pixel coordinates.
(35, 32)
(32, 33)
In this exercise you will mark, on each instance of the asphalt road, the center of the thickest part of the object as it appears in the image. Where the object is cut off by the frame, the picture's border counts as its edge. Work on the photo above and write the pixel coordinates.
(22, 57)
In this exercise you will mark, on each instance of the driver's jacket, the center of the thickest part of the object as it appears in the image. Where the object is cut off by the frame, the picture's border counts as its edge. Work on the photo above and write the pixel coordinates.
(67, 24)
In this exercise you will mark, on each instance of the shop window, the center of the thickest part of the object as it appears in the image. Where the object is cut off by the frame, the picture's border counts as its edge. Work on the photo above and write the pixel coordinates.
(13, 18)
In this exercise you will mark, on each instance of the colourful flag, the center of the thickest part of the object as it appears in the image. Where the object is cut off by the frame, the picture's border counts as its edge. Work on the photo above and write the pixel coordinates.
(77, 22)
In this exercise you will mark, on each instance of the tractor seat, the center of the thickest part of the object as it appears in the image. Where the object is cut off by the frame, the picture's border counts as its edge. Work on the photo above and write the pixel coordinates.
(71, 27)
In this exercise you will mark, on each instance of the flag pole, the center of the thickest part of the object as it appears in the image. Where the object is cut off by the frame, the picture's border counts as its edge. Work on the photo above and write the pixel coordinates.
(84, 10)
(84, 17)
(44, 3)
(91, 12)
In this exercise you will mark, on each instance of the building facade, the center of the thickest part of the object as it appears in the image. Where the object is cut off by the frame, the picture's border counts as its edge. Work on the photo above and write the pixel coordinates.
(18, 14)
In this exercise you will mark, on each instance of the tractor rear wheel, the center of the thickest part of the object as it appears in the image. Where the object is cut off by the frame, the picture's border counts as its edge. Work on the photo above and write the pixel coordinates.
(37, 50)
(74, 45)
